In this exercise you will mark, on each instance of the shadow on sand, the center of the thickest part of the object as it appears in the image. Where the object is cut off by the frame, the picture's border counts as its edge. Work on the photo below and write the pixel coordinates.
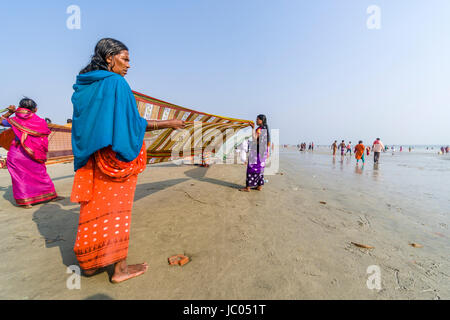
(147, 189)
(199, 175)
(99, 296)
(8, 195)
(58, 225)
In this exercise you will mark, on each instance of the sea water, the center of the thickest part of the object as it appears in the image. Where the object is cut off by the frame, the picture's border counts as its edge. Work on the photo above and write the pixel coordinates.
(413, 184)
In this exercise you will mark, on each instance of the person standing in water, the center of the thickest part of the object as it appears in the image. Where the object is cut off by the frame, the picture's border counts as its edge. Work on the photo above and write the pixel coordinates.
(359, 152)
(349, 148)
(377, 147)
(258, 154)
(342, 147)
(334, 147)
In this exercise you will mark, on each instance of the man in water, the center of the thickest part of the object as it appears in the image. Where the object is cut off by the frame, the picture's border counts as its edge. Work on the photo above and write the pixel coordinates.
(334, 146)
(377, 147)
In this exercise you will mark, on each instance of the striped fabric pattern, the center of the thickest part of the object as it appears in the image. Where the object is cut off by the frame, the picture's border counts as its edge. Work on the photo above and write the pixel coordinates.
(202, 130)
(59, 144)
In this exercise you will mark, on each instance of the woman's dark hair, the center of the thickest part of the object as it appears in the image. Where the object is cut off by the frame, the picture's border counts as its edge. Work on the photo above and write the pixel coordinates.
(27, 103)
(105, 47)
(263, 118)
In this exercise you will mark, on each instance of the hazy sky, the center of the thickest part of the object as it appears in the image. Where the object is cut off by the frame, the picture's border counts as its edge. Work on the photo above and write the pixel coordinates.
(313, 67)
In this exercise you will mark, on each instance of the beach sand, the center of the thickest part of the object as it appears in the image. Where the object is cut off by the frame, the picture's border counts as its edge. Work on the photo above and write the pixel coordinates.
(280, 243)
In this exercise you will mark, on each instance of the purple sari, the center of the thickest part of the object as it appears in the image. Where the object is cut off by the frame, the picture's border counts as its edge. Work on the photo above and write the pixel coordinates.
(26, 159)
(257, 160)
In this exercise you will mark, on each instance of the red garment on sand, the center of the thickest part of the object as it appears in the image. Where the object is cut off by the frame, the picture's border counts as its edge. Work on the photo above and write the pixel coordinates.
(105, 187)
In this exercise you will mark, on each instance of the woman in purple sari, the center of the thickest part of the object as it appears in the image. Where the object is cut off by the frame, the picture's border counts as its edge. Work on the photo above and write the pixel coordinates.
(27, 154)
(258, 154)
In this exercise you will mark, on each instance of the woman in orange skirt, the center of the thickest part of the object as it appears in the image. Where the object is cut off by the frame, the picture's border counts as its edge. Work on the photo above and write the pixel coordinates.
(359, 152)
(109, 153)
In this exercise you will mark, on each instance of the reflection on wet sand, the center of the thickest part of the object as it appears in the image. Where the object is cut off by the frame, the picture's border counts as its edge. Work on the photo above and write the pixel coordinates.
(358, 169)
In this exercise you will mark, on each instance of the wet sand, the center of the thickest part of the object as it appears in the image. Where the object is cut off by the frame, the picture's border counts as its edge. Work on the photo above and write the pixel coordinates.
(280, 243)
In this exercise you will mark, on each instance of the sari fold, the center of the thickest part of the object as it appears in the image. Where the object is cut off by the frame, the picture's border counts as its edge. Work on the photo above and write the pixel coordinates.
(105, 188)
(32, 133)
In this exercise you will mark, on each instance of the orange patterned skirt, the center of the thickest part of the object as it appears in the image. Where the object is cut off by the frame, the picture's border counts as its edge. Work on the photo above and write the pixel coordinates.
(105, 187)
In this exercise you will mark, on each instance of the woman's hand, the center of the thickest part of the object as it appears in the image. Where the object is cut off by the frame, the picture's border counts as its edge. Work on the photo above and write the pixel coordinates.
(164, 124)
(12, 109)
(178, 124)
(252, 125)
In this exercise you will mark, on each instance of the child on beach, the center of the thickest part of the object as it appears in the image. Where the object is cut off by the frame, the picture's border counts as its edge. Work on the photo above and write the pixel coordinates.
(359, 152)
(368, 150)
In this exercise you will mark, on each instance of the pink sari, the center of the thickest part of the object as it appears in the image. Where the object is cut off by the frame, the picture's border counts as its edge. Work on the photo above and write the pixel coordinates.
(26, 159)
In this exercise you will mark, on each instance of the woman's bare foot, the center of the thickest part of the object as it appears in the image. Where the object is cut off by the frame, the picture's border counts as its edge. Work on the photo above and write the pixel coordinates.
(259, 188)
(27, 206)
(123, 272)
(247, 189)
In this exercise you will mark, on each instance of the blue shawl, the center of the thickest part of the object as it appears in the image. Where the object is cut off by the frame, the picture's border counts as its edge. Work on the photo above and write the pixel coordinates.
(105, 114)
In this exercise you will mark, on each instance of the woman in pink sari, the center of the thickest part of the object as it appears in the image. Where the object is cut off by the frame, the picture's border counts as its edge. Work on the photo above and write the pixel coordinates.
(27, 154)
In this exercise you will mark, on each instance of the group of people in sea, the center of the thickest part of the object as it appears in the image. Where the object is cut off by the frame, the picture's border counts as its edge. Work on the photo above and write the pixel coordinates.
(109, 153)
(359, 150)
(445, 149)
(302, 146)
